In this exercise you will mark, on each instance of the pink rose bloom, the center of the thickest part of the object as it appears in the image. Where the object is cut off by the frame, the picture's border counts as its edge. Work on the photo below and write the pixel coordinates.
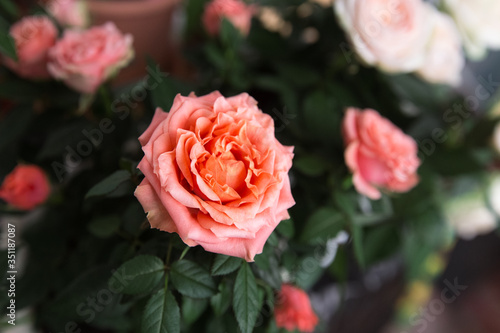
(25, 187)
(215, 174)
(236, 11)
(69, 13)
(85, 59)
(389, 34)
(378, 153)
(33, 36)
(444, 58)
(294, 311)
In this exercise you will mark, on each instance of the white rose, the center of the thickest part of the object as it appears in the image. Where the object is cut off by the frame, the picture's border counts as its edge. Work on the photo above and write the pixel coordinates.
(444, 58)
(389, 34)
(479, 23)
(470, 216)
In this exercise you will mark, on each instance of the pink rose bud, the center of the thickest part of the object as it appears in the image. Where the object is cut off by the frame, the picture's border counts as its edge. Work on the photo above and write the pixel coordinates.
(378, 153)
(236, 11)
(86, 59)
(293, 310)
(69, 13)
(33, 36)
(25, 187)
(215, 174)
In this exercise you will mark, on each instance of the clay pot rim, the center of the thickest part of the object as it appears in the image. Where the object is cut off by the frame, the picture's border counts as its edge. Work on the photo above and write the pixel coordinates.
(118, 8)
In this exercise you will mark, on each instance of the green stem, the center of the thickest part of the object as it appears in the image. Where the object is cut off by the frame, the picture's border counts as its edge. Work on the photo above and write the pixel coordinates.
(106, 100)
(167, 263)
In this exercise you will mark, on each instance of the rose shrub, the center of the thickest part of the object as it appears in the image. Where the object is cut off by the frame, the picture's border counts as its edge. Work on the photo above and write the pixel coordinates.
(378, 153)
(33, 36)
(25, 187)
(215, 174)
(85, 59)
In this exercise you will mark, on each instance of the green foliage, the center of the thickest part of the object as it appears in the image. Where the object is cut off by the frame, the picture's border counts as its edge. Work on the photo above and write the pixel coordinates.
(109, 184)
(245, 300)
(192, 280)
(139, 275)
(161, 314)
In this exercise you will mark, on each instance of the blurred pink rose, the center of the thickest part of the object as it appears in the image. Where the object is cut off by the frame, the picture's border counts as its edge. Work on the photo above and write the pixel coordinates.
(34, 36)
(215, 174)
(236, 11)
(444, 58)
(294, 311)
(69, 13)
(25, 187)
(389, 34)
(378, 153)
(85, 59)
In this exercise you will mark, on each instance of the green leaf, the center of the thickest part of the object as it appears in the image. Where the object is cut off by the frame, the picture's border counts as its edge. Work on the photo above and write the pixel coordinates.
(192, 280)
(161, 314)
(221, 301)
(245, 299)
(7, 45)
(104, 226)
(225, 264)
(322, 224)
(192, 309)
(357, 238)
(286, 228)
(109, 184)
(10, 8)
(139, 275)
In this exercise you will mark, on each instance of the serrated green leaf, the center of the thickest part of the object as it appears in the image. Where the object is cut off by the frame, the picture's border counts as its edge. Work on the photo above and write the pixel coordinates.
(138, 275)
(161, 314)
(221, 301)
(225, 264)
(192, 280)
(109, 184)
(104, 226)
(322, 224)
(245, 299)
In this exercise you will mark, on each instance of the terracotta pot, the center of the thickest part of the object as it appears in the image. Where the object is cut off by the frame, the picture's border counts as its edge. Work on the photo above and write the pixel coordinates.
(149, 21)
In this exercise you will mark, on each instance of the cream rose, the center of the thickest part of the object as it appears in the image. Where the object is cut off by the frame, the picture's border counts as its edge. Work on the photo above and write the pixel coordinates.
(478, 22)
(215, 174)
(389, 34)
(444, 59)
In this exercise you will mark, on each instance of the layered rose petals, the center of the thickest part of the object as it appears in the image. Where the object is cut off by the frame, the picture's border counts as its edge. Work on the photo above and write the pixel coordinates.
(215, 174)
(378, 154)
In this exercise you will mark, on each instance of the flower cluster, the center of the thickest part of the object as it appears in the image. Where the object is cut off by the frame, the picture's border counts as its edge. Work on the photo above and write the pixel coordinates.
(82, 59)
